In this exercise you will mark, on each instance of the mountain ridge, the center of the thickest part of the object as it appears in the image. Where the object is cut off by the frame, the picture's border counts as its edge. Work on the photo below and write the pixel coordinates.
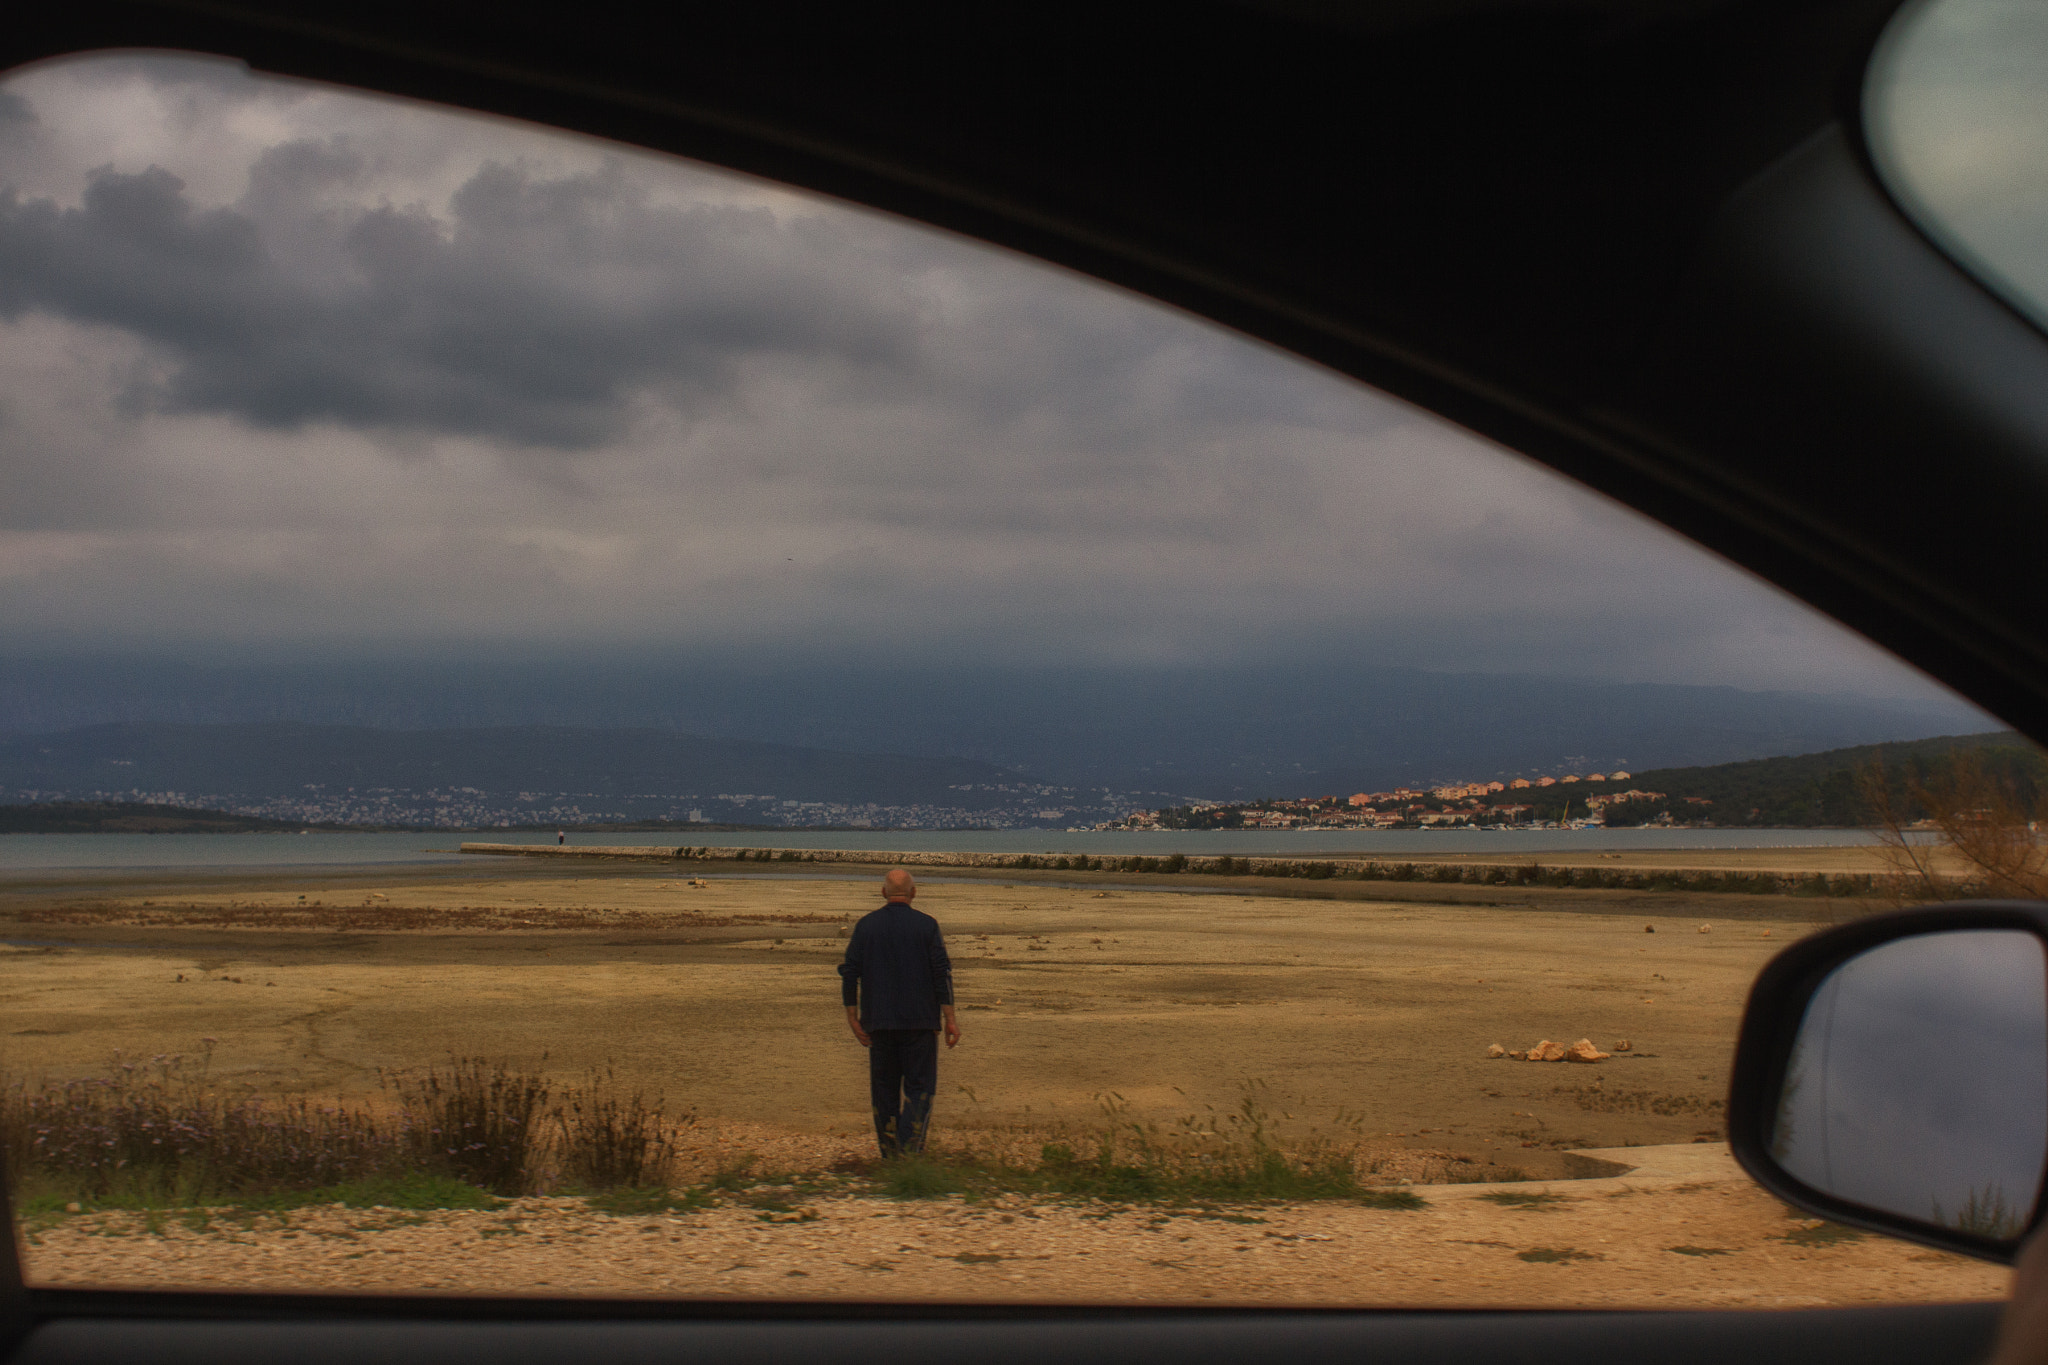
(1218, 733)
(360, 774)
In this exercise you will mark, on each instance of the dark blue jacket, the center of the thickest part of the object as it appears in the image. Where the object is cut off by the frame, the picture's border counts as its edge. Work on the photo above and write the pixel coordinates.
(896, 969)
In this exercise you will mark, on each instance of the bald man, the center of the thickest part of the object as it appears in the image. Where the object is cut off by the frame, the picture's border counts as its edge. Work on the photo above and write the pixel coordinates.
(897, 985)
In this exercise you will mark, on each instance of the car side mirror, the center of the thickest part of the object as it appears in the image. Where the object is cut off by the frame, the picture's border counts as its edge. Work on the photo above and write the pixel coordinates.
(1892, 1074)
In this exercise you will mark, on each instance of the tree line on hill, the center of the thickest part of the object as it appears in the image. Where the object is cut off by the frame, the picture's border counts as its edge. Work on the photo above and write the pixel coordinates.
(1830, 789)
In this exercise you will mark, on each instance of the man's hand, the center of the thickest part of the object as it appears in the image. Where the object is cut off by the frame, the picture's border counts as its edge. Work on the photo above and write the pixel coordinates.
(853, 1022)
(952, 1026)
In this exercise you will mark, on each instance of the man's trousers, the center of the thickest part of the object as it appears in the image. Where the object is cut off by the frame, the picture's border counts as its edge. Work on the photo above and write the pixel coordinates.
(903, 1075)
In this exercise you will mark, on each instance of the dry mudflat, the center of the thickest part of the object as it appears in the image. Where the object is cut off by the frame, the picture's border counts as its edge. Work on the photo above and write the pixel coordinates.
(1366, 1018)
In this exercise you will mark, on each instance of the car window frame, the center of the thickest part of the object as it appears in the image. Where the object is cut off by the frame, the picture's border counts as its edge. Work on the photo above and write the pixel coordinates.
(1605, 448)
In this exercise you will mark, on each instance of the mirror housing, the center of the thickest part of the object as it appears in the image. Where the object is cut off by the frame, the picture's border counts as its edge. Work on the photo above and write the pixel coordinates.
(1892, 1074)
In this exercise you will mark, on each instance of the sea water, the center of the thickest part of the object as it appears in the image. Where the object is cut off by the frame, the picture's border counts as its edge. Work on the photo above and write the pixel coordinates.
(53, 852)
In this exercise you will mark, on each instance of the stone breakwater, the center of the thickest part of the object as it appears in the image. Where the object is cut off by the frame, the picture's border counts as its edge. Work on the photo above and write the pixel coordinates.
(1527, 873)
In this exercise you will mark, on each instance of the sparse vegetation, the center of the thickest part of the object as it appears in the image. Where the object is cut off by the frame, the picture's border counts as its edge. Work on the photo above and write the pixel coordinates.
(1525, 1199)
(475, 1121)
(1557, 1255)
(1693, 881)
(924, 1177)
(612, 1138)
(1197, 1160)
(1986, 808)
(160, 1133)
(1821, 1235)
(641, 1200)
(1988, 1213)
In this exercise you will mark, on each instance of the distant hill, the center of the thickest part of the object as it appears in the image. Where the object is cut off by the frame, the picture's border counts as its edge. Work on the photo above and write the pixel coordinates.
(284, 760)
(1309, 725)
(1806, 790)
(129, 817)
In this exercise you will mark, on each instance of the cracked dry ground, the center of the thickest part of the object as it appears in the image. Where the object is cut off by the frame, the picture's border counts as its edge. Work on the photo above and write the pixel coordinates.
(1615, 1242)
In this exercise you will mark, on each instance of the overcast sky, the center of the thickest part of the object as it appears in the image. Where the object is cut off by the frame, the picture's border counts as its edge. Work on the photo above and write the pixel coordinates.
(283, 369)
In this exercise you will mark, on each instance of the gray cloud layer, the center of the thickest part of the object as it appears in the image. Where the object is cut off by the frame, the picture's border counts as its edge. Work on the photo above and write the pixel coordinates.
(531, 314)
(286, 369)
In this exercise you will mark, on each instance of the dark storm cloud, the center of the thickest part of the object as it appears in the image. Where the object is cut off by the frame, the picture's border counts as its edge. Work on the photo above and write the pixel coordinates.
(285, 369)
(531, 314)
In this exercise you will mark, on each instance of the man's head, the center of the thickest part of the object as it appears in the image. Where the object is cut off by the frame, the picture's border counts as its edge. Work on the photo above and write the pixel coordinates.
(898, 885)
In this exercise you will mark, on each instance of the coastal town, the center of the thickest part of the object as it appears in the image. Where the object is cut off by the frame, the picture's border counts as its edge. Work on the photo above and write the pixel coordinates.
(1571, 801)
(1018, 805)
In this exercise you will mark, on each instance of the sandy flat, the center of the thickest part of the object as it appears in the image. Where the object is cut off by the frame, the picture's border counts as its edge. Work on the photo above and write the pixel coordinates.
(1868, 859)
(1366, 1021)
(725, 998)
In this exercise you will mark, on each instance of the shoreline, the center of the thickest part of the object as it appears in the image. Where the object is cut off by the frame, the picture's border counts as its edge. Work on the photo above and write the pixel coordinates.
(1476, 869)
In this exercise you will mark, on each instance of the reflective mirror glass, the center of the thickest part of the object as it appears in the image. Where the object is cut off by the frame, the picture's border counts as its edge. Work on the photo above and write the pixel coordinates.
(1955, 108)
(1918, 1083)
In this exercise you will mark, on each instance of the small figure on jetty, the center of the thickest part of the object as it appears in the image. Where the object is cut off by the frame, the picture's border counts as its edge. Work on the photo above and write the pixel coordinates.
(897, 986)
(561, 837)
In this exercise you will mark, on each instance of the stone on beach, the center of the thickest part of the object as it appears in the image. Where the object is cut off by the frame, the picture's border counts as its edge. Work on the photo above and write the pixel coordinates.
(1496, 1051)
(1584, 1051)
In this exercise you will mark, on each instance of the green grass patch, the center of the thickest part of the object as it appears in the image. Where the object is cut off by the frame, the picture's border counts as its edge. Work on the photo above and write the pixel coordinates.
(1146, 1179)
(925, 1177)
(635, 1201)
(198, 1206)
(45, 1210)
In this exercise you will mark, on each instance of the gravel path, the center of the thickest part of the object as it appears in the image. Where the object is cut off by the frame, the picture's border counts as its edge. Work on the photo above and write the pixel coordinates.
(1704, 1237)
